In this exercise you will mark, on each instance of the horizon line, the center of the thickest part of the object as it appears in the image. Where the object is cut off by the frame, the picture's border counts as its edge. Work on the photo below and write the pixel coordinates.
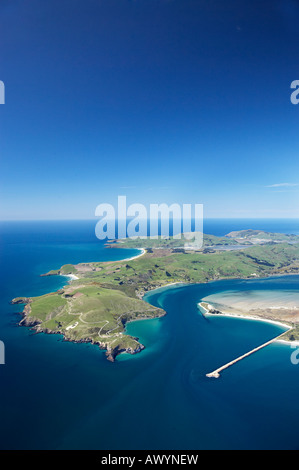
(96, 218)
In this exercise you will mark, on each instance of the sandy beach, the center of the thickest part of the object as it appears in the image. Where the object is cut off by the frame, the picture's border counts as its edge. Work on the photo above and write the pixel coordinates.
(277, 306)
(245, 317)
(143, 251)
(294, 344)
(71, 277)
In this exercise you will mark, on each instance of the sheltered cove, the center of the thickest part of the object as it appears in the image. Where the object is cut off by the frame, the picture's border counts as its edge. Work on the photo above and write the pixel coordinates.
(103, 296)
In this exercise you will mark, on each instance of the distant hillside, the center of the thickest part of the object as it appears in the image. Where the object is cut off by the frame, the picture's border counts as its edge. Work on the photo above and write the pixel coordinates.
(104, 296)
(260, 236)
(171, 242)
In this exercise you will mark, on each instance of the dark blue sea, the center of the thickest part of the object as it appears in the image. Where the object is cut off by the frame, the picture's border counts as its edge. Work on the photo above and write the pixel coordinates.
(59, 395)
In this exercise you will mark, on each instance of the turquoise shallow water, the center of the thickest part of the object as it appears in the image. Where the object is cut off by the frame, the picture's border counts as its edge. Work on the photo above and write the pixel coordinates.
(55, 394)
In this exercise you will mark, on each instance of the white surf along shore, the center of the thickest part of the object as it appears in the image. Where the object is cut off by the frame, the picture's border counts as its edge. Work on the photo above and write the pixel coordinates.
(71, 277)
(277, 306)
(223, 313)
(143, 251)
(249, 318)
(207, 309)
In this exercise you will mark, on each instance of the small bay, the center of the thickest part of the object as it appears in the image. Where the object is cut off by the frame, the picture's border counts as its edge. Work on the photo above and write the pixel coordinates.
(55, 394)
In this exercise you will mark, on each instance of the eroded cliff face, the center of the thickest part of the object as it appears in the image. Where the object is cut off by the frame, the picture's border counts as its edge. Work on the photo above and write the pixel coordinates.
(30, 321)
(21, 300)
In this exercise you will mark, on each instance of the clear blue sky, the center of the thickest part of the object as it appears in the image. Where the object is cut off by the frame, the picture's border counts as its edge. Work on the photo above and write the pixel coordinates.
(160, 100)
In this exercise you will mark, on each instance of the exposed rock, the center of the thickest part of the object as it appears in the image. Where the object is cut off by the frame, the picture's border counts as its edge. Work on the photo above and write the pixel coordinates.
(20, 300)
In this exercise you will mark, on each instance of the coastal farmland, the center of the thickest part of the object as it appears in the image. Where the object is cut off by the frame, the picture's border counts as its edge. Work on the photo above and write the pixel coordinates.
(96, 306)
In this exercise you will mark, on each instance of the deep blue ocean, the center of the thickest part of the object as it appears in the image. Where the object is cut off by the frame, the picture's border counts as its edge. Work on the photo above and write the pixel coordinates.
(59, 395)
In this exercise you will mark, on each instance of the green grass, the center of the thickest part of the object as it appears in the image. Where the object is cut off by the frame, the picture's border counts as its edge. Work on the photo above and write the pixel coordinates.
(292, 335)
(98, 315)
(260, 234)
(47, 305)
(68, 269)
(109, 297)
(171, 243)
(197, 267)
